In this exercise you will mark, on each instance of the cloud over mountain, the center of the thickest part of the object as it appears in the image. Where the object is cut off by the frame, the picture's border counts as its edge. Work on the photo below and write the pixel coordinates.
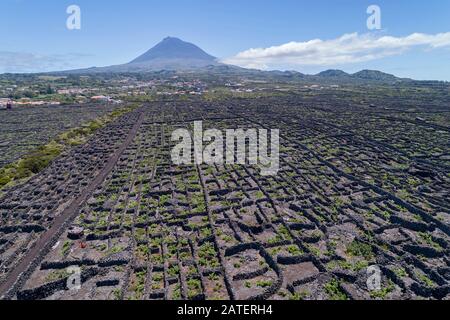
(347, 49)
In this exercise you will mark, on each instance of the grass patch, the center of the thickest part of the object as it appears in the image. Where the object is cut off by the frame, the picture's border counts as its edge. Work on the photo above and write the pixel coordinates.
(359, 249)
(264, 283)
(333, 290)
(56, 275)
(66, 248)
(298, 296)
(384, 292)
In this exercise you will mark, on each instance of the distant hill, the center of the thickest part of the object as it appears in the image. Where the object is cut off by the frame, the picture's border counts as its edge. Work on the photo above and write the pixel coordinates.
(361, 76)
(333, 74)
(374, 75)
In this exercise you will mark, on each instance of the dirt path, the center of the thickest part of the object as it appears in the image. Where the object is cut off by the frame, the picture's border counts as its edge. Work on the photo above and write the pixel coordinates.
(18, 275)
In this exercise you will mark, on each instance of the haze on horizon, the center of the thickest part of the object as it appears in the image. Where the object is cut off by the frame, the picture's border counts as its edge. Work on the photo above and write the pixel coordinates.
(413, 42)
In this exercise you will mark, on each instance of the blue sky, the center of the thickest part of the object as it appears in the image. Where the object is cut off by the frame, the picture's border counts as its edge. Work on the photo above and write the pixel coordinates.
(34, 36)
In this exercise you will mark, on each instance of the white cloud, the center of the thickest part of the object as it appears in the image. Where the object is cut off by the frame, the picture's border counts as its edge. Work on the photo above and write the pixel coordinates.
(347, 49)
(21, 62)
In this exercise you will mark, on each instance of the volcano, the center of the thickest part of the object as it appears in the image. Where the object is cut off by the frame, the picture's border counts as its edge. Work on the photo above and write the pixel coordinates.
(174, 49)
(171, 54)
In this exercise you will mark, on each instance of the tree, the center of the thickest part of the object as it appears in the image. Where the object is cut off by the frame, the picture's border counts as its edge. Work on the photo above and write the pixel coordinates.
(50, 90)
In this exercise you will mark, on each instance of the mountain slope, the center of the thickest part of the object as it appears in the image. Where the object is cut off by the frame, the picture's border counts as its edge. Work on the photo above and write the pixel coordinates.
(174, 48)
(333, 73)
(171, 54)
(361, 76)
(374, 75)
